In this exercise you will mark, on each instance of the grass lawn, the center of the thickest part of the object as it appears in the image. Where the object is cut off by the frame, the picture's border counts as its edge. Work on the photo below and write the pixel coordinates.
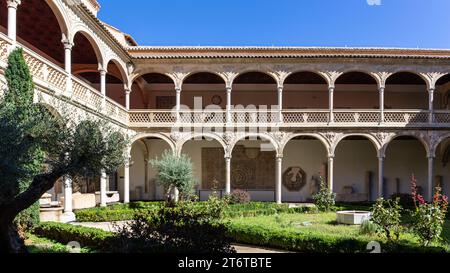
(316, 233)
(36, 244)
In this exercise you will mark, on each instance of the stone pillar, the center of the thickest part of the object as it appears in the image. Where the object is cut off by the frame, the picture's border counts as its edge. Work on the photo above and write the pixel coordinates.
(178, 103)
(380, 176)
(429, 191)
(68, 215)
(381, 90)
(228, 175)
(431, 104)
(68, 62)
(280, 104)
(126, 180)
(103, 181)
(331, 103)
(279, 179)
(103, 85)
(12, 18)
(228, 109)
(127, 98)
(331, 173)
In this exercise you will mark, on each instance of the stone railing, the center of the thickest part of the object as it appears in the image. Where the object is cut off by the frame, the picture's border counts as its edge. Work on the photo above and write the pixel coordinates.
(290, 118)
(54, 80)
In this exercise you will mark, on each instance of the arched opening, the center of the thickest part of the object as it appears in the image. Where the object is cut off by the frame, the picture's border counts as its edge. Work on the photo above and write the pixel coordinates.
(355, 170)
(86, 60)
(143, 184)
(304, 163)
(356, 90)
(403, 85)
(405, 156)
(253, 168)
(203, 90)
(442, 96)
(255, 90)
(305, 90)
(442, 166)
(37, 28)
(153, 91)
(208, 158)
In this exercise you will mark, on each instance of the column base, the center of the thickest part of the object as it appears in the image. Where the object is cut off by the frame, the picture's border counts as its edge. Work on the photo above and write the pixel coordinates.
(68, 217)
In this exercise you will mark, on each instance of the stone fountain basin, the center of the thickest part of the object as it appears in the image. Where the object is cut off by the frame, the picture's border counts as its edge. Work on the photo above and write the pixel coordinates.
(352, 217)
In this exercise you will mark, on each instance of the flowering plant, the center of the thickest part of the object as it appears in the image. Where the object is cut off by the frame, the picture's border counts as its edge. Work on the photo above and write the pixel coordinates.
(428, 218)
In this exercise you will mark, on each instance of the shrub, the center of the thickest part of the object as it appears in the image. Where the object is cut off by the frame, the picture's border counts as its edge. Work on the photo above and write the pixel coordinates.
(238, 197)
(183, 228)
(429, 218)
(368, 228)
(175, 172)
(325, 200)
(386, 215)
(87, 237)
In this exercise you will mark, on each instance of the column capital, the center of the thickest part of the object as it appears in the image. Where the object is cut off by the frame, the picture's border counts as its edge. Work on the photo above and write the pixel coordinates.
(229, 89)
(67, 44)
(280, 88)
(102, 71)
(331, 157)
(178, 89)
(13, 3)
(431, 89)
(331, 88)
(128, 91)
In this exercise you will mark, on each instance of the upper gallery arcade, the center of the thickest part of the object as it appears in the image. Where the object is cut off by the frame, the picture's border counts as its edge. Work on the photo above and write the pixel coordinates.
(330, 95)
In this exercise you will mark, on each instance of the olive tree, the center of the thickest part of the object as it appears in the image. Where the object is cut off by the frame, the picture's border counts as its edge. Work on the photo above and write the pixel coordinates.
(39, 148)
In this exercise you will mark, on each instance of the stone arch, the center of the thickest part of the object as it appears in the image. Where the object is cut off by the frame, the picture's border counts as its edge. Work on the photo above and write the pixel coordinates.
(203, 71)
(377, 79)
(385, 146)
(262, 136)
(192, 136)
(122, 69)
(313, 135)
(243, 72)
(136, 76)
(155, 135)
(93, 40)
(61, 16)
(369, 137)
(318, 73)
(423, 76)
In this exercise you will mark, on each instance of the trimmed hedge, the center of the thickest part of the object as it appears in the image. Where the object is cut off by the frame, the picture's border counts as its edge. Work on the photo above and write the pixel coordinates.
(87, 237)
(315, 243)
(126, 212)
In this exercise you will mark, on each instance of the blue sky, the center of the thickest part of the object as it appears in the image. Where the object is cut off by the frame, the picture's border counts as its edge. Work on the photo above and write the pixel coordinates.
(394, 23)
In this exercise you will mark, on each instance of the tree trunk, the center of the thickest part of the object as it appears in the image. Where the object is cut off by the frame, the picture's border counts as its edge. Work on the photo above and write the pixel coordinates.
(10, 240)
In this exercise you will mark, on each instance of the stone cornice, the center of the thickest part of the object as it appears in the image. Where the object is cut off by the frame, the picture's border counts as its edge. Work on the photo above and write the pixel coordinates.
(284, 52)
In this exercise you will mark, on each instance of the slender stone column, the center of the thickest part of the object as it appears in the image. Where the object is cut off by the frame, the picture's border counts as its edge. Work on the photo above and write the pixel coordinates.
(331, 173)
(381, 90)
(127, 98)
(431, 104)
(68, 63)
(103, 73)
(68, 215)
(280, 104)
(430, 178)
(103, 180)
(380, 176)
(126, 180)
(279, 167)
(12, 18)
(229, 89)
(228, 175)
(178, 103)
(331, 103)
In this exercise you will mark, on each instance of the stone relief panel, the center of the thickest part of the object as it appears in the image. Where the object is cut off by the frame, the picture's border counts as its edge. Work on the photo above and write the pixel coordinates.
(251, 169)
